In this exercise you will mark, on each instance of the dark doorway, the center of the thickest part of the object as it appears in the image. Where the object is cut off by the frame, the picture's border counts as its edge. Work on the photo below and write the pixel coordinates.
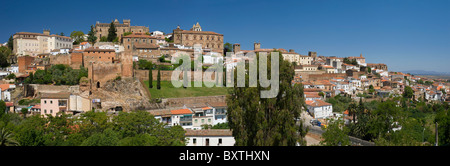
(98, 84)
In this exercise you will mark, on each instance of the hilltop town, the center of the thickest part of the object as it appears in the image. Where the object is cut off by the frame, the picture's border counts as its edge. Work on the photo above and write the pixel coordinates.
(118, 67)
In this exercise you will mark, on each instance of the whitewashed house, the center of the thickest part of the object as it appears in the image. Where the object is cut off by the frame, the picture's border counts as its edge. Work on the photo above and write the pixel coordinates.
(319, 109)
(210, 137)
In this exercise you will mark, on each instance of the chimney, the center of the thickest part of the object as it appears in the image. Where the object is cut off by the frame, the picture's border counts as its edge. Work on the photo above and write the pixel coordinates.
(236, 48)
(256, 46)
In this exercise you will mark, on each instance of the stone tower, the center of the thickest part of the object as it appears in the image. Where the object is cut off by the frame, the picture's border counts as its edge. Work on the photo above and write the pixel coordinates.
(46, 32)
(256, 46)
(236, 48)
(127, 22)
(196, 27)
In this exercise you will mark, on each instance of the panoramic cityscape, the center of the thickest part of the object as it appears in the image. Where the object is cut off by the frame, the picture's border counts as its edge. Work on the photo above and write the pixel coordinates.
(303, 73)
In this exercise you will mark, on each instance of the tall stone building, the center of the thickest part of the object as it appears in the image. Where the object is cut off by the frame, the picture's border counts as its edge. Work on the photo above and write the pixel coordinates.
(142, 46)
(210, 41)
(102, 29)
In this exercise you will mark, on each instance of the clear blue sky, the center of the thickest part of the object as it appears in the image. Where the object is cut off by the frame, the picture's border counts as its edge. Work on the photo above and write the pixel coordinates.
(404, 34)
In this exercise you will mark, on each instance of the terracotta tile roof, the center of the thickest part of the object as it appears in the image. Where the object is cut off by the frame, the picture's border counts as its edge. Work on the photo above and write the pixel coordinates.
(209, 132)
(180, 111)
(311, 94)
(9, 104)
(317, 103)
(5, 86)
(37, 106)
(206, 108)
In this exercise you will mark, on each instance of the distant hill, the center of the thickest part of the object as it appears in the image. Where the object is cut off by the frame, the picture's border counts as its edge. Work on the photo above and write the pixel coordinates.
(423, 72)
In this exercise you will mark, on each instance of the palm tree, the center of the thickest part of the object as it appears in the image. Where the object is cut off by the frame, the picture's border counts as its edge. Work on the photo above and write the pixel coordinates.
(6, 138)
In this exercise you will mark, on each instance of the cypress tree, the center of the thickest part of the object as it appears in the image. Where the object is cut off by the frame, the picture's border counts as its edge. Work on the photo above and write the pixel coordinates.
(150, 76)
(11, 43)
(91, 36)
(112, 32)
(158, 79)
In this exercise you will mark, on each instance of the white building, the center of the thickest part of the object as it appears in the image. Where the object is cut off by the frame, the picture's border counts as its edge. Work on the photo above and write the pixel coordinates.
(220, 112)
(59, 42)
(13, 69)
(319, 109)
(5, 91)
(182, 117)
(27, 43)
(210, 137)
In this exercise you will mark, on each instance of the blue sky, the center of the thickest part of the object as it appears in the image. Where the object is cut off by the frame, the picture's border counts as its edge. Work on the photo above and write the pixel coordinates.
(404, 34)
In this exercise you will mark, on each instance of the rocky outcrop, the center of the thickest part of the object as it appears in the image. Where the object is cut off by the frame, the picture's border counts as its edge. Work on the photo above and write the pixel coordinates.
(127, 93)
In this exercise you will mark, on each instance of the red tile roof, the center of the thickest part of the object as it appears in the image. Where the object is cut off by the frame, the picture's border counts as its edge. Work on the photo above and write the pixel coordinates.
(181, 111)
(317, 103)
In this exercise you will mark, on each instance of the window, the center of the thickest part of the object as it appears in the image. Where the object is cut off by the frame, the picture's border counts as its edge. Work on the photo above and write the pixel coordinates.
(51, 111)
(45, 101)
(194, 141)
(220, 140)
(196, 120)
(209, 120)
(51, 102)
(207, 142)
(45, 111)
(203, 120)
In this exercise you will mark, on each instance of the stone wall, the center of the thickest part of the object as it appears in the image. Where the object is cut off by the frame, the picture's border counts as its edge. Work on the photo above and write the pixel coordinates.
(60, 59)
(76, 60)
(34, 90)
(100, 73)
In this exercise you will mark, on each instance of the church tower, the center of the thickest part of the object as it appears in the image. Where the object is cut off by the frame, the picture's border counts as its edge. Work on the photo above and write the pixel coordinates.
(196, 27)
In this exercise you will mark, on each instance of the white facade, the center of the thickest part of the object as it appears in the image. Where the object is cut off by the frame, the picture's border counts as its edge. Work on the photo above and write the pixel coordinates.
(210, 140)
(13, 69)
(210, 137)
(59, 42)
(319, 109)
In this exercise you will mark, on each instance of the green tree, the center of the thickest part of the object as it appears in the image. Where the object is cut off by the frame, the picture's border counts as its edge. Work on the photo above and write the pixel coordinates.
(24, 112)
(257, 121)
(5, 54)
(109, 137)
(158, 79)
(31, 132)
(61, 34)
(369, 70)
(11, 43)
(104, 39)
(150, 77)
(408, 92)
(335, 134)
(77, 36)
(91, 36)
(227, 47)
(11, 76)
(112, 32)
(2, 108)
(127, 33)
(6, 138)
(139, 140)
